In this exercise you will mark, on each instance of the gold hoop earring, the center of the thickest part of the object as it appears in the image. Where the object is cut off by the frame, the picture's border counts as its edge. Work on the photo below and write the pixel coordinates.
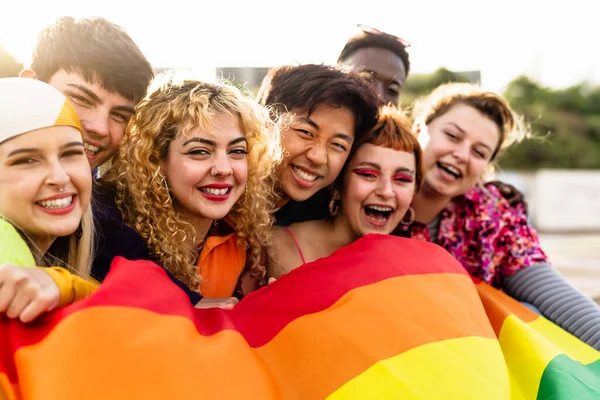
(334, 204)
(410, 219)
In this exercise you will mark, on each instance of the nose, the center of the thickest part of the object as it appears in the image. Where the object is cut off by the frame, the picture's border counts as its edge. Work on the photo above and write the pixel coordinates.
(379, 88)
(222, 166)
(97, 124)
(317, 154)
(461, 152)
(57, 176)
(385, 189)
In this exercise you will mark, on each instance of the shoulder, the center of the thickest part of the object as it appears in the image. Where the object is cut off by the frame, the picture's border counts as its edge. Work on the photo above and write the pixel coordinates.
(486, 203)
(13, 249)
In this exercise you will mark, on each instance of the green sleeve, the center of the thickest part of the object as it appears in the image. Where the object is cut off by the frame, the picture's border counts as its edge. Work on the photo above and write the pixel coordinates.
(13, 249)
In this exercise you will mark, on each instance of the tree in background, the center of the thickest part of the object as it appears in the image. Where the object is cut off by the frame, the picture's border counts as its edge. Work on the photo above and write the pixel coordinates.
(9, 67)
(565, 122)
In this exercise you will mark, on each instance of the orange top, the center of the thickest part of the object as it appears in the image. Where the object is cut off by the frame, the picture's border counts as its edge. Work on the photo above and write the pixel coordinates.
(220, 265)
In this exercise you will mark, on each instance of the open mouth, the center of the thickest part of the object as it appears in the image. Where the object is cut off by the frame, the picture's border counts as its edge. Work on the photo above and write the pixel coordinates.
(451, 170)
(378, 215)
(90, 149)
(56, 204)
(304, 175)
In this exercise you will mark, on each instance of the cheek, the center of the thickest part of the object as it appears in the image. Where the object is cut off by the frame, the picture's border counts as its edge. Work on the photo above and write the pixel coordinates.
(287, 142)
(82, 179)
(117, 131)
(240, 171)
(16, 195)
(336, 162)
(477, 168)
(404, 195)
(356, 192)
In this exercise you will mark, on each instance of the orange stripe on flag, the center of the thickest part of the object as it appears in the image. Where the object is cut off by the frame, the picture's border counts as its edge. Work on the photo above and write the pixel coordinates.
(309, 358)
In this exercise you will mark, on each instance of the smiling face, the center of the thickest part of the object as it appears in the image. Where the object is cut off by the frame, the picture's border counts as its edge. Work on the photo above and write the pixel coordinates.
(45, 182)
(207, 171)
(460, 146)
(103, 115)
(316, 146)
(378, 187)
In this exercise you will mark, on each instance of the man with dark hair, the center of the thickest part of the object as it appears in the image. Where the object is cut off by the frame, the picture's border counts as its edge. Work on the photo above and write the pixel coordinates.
(381, 58)
(324, 111)
(103, 73)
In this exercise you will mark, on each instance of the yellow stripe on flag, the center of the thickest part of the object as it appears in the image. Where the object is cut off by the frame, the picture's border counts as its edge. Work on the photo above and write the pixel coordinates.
(462, 368)
(569, 344)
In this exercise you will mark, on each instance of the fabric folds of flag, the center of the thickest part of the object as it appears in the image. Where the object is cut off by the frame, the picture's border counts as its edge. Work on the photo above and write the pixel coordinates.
(386, 317)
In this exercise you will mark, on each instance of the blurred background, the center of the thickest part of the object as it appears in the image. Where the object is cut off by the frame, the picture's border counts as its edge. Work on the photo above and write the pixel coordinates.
(543, 57)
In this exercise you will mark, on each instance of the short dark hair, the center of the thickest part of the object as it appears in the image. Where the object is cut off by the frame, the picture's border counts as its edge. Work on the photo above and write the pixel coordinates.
(304, 88)
(380, 41)
(98, 50)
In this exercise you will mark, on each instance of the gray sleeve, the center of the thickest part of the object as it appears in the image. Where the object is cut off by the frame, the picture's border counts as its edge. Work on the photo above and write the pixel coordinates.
(541, 286)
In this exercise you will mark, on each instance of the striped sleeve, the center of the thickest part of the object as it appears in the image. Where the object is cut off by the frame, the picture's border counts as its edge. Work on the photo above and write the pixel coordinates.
(541, 286)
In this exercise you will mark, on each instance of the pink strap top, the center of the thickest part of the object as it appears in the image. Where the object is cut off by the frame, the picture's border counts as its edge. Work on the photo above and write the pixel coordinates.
(296, 242)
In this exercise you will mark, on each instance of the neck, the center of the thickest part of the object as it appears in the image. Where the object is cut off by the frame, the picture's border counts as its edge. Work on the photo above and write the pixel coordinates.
(341, 233)
(283, 200)
(428, 203)
(44, 243)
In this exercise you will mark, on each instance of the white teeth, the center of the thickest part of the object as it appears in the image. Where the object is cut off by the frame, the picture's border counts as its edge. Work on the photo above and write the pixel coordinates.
(56, 203)
(453, 170)
(91, 149)
(382, 209)
(215, 192)
(305, 175)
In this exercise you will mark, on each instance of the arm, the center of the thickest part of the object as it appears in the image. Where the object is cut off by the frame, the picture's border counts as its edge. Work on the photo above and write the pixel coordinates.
(71, 287)
(558, 301)
(526, 275)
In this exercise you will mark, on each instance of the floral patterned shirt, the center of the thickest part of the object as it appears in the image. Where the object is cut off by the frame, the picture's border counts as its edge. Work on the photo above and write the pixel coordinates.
(490, 238)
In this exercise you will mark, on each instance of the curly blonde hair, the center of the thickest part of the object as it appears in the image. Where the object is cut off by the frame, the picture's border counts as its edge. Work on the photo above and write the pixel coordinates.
(143, 197)
(511, 125)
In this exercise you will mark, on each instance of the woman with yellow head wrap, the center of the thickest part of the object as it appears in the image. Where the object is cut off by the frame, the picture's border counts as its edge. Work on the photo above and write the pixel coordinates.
(45, 189)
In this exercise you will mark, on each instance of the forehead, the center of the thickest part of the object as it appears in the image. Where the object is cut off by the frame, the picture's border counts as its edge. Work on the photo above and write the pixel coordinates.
(387, 159)
(331, 118)
(63, 80)
(43, 138)
(223, 127)
(384, 62)
(475, 124)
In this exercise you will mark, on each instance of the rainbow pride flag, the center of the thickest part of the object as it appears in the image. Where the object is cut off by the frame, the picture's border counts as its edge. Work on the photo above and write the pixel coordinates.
(384, 318)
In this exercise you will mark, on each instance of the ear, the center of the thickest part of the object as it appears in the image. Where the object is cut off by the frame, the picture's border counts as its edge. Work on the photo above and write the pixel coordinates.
(28, 73)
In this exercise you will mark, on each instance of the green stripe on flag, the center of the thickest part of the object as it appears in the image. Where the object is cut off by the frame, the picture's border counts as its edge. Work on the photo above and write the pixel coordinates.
(567, 379)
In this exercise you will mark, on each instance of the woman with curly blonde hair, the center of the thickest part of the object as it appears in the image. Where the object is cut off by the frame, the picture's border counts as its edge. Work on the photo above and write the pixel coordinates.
(207, 154)
(191, 188)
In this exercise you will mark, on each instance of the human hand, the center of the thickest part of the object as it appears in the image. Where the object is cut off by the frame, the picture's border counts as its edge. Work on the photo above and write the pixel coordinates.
(26, 293)
(225, 303)
(513, 196)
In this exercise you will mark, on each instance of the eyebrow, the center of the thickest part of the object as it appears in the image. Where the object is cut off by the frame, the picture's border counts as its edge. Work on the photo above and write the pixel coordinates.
(34, 150)
(97, 99)
(87, 91)
(213, 143)
(312, 123)
(377, 75)
(309, 121)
